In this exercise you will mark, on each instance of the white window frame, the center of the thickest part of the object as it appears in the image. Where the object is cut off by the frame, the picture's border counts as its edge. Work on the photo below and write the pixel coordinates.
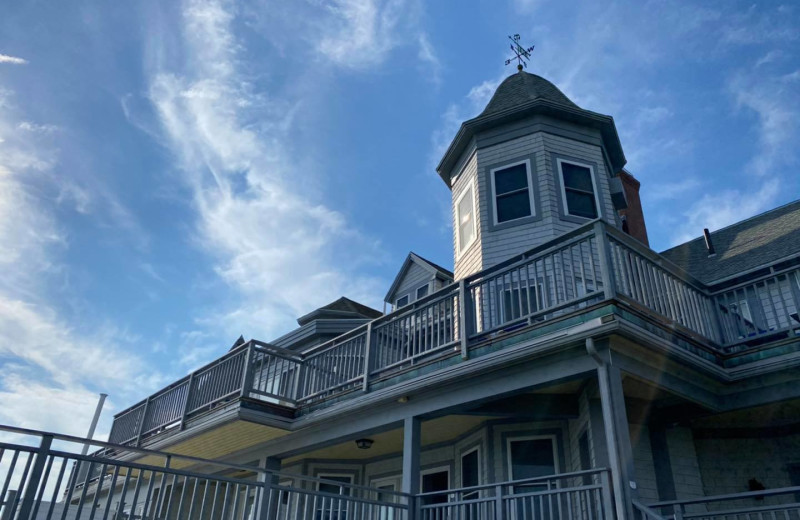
(531, 438)
(563, 186)
(462, 248)
(527, 163)
(416, 292)
(438, 469)
(397, 301)
(480, 468)
(324, 476)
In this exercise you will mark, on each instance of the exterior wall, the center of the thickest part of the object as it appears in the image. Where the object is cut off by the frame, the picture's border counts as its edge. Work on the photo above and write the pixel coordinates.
(414, 278)
(727, 464)
(685, 468)
(470, 261)
(542, 148)
(643, 464)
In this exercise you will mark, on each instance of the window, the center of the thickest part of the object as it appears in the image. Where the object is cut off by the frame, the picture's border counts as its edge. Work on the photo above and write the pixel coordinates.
(531, 457)
(578, 190)
(512, 188)
(331, 487)
(401, 302)
(383, 486)
(465, 219)
(470, 472)
(333, 508)
(431, 480)
(422, 291)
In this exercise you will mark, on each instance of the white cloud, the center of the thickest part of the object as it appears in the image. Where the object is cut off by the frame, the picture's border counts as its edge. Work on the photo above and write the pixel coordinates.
(50, 370)
(774, 100)
(717, 210)
(272, 239)
(5, 58)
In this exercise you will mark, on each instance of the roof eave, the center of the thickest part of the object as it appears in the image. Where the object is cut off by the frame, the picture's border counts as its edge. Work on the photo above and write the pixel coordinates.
(471, 127)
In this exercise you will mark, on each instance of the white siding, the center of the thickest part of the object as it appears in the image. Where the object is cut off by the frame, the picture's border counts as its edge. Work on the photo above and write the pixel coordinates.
(415, 277)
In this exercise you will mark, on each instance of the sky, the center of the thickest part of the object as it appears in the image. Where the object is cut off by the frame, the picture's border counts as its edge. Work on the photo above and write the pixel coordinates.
(175, 174)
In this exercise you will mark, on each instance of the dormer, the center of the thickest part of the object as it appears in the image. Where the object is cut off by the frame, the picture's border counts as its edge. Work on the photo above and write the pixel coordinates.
(530, 167)
(416, 279)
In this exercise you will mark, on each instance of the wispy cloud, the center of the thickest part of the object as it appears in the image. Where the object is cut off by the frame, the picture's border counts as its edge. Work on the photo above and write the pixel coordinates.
(717, 210)
(361, 33)
(13, 60)
(273, 242)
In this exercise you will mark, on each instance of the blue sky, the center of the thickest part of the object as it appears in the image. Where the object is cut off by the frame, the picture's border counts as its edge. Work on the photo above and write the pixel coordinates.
(174, 174)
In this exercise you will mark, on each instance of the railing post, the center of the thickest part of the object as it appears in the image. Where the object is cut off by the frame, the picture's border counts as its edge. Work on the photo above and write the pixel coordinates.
(678, 510)
(186, 400)
(7, 502)
(499, 514)
(34, 478)
(464, 316)
(247, 371)
(367, 356)
(606, 264)
(140, 430)
(267, 507)
(608, 504)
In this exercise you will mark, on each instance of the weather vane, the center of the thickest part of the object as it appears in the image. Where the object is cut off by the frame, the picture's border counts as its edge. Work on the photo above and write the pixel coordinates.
(522, 55)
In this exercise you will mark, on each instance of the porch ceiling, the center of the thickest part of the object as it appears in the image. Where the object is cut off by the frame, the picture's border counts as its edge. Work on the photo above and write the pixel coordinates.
(218, 442)
(435, 431)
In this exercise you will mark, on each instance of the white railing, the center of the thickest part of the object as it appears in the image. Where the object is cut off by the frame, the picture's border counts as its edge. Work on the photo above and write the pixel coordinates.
(589, 265)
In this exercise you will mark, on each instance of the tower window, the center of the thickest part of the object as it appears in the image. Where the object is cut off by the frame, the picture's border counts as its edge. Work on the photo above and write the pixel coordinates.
(465, 219)
(578, 190)
(513, 192)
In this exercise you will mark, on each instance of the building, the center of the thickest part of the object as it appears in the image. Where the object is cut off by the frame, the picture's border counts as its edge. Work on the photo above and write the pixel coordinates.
(565, 370)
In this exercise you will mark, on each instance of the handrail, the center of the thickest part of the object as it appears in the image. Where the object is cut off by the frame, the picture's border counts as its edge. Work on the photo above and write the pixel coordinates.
(519, 482)
(732, 496)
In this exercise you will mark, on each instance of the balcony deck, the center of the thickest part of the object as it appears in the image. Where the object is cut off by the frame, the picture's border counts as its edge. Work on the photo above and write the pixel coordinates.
(592, 271)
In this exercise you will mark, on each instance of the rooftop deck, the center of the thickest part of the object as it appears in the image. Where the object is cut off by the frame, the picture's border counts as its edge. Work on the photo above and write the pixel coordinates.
(575, 274)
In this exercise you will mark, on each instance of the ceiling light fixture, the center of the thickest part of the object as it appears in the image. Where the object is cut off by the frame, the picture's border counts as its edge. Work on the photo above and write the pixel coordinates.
(364, 444)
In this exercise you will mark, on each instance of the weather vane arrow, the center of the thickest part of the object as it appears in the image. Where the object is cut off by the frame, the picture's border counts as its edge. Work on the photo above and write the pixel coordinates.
(521, 54)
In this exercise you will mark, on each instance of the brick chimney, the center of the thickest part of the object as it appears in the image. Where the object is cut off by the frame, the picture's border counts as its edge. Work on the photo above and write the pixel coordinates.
(633, 216)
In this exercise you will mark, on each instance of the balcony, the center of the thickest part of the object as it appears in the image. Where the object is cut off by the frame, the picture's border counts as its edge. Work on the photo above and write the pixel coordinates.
(592, 271)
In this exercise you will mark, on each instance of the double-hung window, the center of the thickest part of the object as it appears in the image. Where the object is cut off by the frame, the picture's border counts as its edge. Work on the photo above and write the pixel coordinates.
(422, 291)
(470, 472)
(512, 189)
(578, 189)
(465, 219)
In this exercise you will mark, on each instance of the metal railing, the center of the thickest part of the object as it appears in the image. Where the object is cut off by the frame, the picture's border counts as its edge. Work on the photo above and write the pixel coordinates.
(590, 264)
(769, 504)
(582, 495)
(44, 476)
(759, 309)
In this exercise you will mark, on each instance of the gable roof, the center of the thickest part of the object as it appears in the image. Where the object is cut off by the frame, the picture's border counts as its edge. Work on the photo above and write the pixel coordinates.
(343, 308)
(743, 246)
(413, 258)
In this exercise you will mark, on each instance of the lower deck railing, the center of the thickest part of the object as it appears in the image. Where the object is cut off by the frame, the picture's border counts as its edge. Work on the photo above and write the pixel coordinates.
(45, 477)
(769, 504)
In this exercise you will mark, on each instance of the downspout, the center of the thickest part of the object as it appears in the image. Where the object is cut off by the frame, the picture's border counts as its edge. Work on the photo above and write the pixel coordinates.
(610, 430)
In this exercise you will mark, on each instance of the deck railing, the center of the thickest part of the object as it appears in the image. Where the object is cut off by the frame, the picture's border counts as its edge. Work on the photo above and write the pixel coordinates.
(43, 476)
(590, 264)
(769, 504)
(566, 496)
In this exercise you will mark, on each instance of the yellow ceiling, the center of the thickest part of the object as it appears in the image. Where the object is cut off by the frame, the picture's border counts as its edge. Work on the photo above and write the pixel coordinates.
(433, 432)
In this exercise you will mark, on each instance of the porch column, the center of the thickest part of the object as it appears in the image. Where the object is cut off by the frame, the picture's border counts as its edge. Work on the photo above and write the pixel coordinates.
(617, 434)
(267, 507)
(411, 448)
